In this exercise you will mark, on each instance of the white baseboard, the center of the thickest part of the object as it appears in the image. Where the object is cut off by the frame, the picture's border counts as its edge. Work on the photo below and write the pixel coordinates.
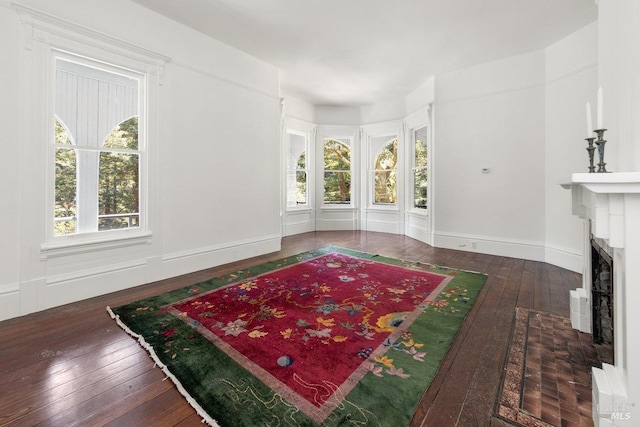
(9, 301)
(564, 257)
(292, 228)
(65, 289)
(382, 226)
(418, 233)
(534, 251)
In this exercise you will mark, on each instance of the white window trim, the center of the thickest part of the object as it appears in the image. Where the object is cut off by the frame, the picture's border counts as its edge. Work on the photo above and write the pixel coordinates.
(90, 220)
(412, 169)
(414, 122)
(351, 144)
(391, 130)
(44, 34)
(308, 170)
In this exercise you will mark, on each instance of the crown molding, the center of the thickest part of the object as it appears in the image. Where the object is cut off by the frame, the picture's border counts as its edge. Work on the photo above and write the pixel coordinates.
(41, 26)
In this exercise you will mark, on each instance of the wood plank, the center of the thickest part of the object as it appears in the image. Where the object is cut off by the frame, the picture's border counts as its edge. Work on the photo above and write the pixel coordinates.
(72, 365)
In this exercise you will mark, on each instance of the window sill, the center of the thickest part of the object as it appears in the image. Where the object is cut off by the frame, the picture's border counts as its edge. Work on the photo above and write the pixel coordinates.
(299, 208)
(93, 242)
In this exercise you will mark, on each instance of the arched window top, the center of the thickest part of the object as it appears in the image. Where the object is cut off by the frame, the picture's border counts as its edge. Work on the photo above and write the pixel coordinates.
(124, 135)
(93, 98)
(385, 175)
(62, 134)
(387, 157)
(337, 155)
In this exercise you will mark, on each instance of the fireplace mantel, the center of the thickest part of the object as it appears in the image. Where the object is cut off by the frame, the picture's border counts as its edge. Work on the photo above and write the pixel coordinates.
(609, 204)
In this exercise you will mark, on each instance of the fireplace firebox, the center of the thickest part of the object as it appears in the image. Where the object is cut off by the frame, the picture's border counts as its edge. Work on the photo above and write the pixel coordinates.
(602, 300)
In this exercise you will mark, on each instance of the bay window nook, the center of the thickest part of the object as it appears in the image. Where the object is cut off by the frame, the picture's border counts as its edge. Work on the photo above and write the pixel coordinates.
(373, 177)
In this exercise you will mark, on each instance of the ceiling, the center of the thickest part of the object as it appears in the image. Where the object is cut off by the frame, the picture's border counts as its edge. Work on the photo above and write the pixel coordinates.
(358, 52)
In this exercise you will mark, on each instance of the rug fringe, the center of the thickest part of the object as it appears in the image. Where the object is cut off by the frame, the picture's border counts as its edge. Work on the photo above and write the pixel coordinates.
(206, 418)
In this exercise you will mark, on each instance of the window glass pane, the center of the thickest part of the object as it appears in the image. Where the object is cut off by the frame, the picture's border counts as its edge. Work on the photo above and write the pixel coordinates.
(420, 174)
(337, 187)
(65, 188)
(337, 172)
(124, 136)
(385, 186)
(296, 169)
(301, 187)
(61, 134)
(385, 177)
(337, 155)
(118, 195)
(302, 161)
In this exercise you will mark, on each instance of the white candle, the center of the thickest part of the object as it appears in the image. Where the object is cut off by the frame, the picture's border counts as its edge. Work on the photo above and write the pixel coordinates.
(589, 124)
(600, 107)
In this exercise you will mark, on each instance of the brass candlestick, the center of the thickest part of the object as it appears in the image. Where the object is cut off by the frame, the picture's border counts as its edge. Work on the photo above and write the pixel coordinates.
(600, 142)
(590, 150)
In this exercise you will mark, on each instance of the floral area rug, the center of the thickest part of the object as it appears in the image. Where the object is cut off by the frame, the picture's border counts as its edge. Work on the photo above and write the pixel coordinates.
(327, 337)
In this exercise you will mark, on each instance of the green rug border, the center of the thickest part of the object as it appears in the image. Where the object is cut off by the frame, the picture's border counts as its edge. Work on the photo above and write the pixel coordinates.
(146, 309)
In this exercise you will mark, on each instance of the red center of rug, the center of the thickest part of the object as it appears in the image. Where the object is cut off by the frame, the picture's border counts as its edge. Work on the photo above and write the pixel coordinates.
(312, 324)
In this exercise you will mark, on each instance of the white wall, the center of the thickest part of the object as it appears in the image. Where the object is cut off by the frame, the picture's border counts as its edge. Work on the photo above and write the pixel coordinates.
(390, 109)
(336, 115)
(572, 81)
(421, 97)
(524, 118)
(299, 110)
(219, 114)
(9, 165)
(619, 76)
(491, 116)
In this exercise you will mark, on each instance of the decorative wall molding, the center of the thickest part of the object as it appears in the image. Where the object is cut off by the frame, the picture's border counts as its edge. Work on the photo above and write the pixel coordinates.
(42, 26)
(183, 262)
(48, 251)
(217, 248)
(96, 271)
(9, 288)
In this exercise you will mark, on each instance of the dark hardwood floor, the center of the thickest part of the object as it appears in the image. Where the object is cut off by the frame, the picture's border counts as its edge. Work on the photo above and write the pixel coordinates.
(72, 365)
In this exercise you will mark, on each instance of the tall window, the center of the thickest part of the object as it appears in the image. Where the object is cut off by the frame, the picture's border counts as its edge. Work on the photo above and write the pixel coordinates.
(386, 174)
(297, 172)
(337, 172)
(97, 146)
(420, 168)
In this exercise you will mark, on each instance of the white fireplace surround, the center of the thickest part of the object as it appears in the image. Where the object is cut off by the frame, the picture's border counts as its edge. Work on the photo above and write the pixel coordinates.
(611, 201)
